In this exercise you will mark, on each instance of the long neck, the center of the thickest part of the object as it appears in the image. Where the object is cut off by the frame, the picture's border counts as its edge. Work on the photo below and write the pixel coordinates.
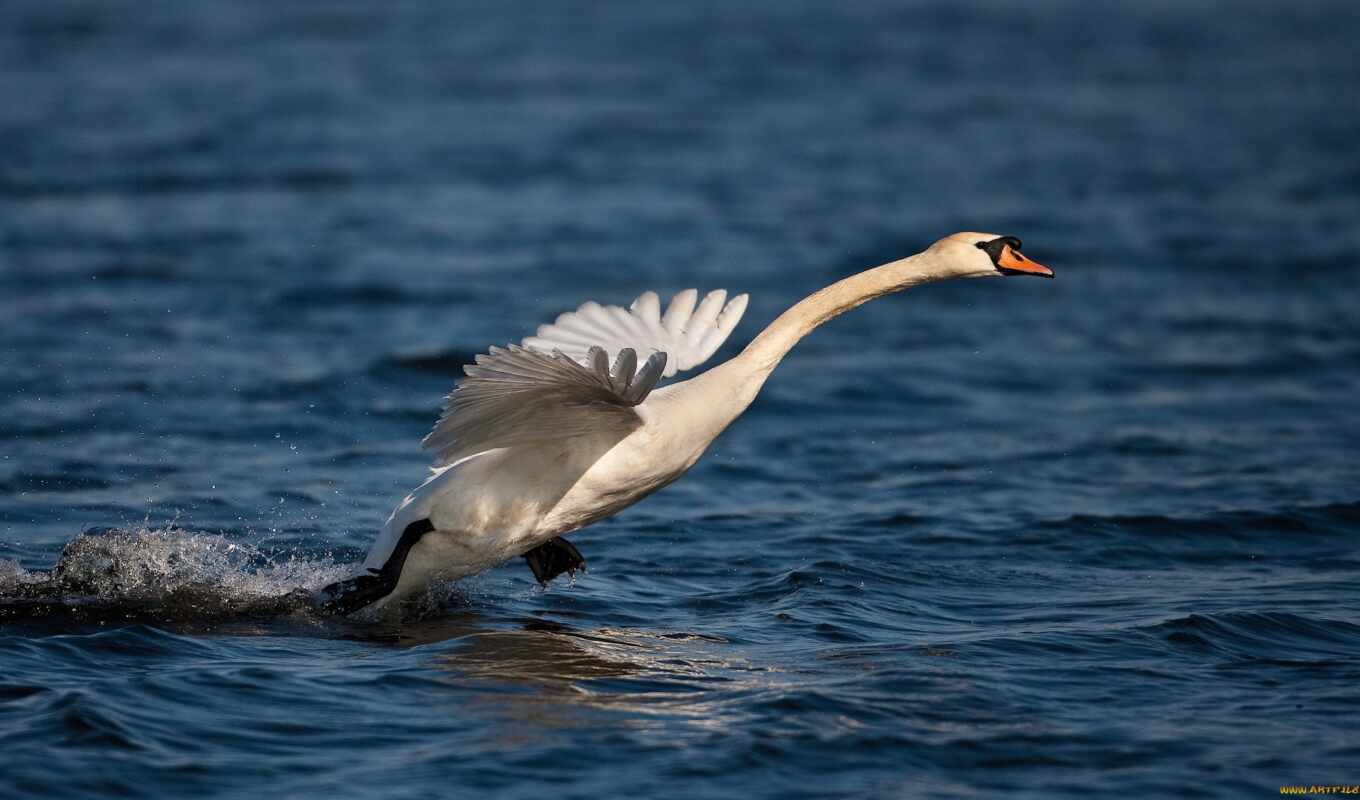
(765, 352)
(729, 388)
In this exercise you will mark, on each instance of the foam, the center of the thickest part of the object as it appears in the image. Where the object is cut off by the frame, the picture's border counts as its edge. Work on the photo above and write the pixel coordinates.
(167, 569)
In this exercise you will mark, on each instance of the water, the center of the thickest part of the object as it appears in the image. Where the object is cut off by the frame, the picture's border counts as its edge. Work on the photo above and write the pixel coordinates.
(1046, 538)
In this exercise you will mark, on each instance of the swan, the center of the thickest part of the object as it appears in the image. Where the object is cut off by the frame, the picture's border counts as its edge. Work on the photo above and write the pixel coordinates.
(569, 427)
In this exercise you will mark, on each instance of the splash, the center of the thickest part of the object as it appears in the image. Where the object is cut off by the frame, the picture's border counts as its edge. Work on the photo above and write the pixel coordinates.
(166, 573)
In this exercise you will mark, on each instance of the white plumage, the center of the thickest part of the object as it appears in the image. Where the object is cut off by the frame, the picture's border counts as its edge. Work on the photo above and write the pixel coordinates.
(688, 336)
(515, 396)
(559, 384)
(565, 429)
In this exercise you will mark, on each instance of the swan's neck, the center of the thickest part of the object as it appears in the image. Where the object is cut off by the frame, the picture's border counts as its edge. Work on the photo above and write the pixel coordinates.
(765, 352)
(725, 391)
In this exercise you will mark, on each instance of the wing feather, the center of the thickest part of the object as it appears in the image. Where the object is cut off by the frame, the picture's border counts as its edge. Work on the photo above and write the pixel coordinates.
(647, 307)
(516, 396)
(562, 383)
(689, 332)
(679, 311)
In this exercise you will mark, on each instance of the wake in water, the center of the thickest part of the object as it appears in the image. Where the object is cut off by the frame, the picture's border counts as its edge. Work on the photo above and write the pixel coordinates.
(167, 573)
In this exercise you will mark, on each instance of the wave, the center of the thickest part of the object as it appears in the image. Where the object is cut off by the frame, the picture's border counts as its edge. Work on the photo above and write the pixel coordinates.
(1303, 533)
(165, 574)
(1274, 638)
(368, 294)
(1267, 639)
(441, 362)
(302, 180)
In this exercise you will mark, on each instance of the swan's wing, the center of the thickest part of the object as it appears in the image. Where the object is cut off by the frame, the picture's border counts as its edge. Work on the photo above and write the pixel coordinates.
(559, 383)
(516, 396)
(686, 334)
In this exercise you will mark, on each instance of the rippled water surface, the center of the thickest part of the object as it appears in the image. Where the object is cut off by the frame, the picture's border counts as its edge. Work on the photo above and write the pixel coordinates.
(1071, 538)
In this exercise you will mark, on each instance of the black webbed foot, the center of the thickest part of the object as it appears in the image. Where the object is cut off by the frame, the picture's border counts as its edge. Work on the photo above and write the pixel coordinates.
(554, 557)
(348, 596)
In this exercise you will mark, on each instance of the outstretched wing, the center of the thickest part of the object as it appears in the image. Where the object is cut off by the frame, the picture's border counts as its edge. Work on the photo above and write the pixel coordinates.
(514, 396)
(559, 383)
(686, 334)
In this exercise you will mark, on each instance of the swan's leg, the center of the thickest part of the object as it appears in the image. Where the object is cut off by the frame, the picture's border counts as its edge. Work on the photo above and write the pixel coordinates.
(348, 596)
(554, 557)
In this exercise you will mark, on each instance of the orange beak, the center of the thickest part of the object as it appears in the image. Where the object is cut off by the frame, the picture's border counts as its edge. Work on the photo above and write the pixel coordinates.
(1014, 262)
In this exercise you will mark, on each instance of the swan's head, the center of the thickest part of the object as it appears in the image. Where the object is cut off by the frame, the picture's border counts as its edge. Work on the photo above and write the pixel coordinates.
(982, 255)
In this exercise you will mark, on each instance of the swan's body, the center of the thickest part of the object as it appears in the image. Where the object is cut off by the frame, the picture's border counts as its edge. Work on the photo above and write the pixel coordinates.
(543, 439)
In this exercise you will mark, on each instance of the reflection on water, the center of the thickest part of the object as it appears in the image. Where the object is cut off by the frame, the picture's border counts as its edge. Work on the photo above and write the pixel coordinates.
(544, 676)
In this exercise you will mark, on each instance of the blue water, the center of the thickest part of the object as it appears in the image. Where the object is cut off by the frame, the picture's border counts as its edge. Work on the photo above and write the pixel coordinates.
(1082, 537)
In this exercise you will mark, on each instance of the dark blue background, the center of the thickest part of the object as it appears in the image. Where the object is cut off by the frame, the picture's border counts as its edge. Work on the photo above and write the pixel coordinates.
(1077, 537)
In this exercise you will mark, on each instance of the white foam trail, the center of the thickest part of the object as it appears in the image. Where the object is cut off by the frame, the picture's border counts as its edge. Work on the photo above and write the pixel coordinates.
(172, 566)
(12, 575)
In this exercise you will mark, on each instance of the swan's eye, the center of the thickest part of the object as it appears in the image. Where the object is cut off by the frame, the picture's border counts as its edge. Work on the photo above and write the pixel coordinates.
(993, 247)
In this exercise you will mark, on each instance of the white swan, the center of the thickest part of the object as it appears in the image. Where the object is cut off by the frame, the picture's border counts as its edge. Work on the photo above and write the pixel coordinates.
(547, 437)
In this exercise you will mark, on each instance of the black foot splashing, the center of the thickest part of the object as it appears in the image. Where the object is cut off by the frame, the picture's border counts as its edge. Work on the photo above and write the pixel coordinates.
(348, 596)
(554, 557)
